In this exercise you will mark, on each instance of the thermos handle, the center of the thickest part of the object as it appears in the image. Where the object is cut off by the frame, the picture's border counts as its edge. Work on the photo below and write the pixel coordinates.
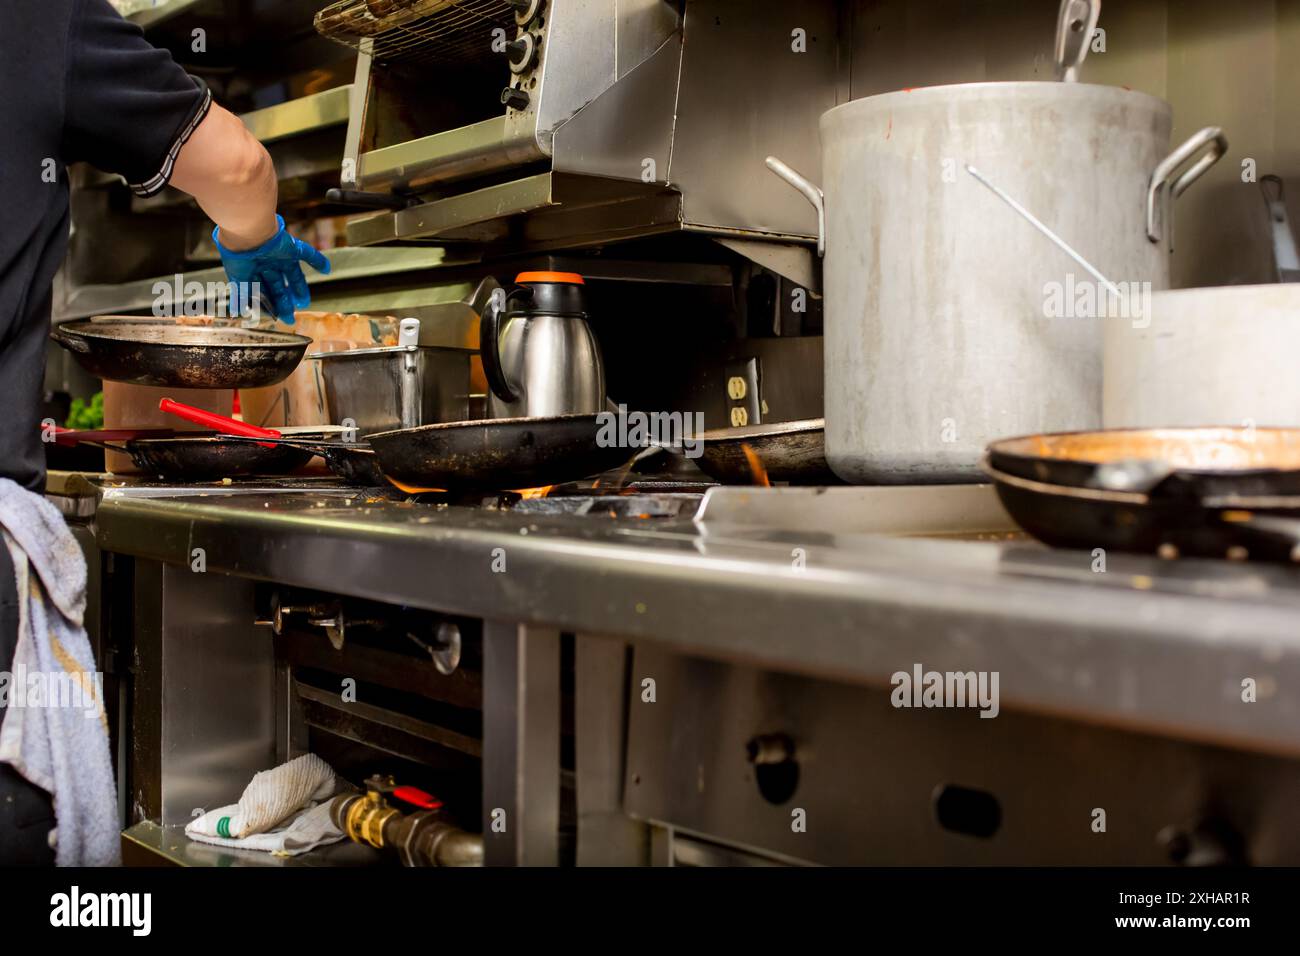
(489, 347)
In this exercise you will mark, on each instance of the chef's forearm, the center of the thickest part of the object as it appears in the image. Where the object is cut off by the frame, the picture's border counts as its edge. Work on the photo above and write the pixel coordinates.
(232, 177)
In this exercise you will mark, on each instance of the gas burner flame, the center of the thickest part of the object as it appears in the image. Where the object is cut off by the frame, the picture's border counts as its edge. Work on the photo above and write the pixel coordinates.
(527, 494)
(756, 468)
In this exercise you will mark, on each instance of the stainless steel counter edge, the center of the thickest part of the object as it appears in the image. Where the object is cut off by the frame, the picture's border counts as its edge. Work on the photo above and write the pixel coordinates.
(1153, 646)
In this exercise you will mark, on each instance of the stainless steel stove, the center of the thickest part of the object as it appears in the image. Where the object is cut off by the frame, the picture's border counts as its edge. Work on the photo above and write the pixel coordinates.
(771, 621)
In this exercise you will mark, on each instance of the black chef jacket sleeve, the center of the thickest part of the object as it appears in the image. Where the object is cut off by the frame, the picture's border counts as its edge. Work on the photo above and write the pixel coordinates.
(129, 107)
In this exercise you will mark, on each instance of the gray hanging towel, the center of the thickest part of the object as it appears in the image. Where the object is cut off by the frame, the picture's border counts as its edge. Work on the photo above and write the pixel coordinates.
(55, 732)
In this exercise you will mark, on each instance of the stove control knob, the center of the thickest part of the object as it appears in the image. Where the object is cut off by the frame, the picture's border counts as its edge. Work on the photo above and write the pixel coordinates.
(521, 52)
(525, 10)
(515, 98)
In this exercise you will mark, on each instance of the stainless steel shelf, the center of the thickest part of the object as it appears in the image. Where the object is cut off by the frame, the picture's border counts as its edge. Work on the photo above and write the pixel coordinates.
(306, 114)
(161, 13)
(160, 846)
(297, 117)
(542, 211)
(348, 263)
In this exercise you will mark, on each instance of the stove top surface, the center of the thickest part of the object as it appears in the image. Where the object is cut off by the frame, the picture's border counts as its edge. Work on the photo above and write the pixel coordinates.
(653, 497)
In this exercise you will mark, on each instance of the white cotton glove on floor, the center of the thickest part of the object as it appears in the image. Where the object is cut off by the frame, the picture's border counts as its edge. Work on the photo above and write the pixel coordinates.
(282, 811)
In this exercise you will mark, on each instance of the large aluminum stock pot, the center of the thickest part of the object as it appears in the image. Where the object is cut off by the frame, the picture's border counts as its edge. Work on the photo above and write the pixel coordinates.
(951, 321)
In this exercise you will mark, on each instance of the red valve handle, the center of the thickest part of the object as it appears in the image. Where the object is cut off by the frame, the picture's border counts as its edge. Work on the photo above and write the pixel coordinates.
(417, 798)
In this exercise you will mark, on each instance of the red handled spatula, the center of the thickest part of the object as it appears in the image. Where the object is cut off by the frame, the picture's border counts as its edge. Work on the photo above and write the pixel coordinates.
(218, 423)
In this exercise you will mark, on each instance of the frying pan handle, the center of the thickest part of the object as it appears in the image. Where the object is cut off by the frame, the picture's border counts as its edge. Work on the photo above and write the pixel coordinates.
(489, 347)
(1268, 529)
(74, 436)
(92, 442)
(219, 423)
(271, 441)
(73, 343)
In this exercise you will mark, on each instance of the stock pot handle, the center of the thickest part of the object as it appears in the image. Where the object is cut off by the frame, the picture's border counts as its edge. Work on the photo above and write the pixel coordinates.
(1158, 189)
(810, 192)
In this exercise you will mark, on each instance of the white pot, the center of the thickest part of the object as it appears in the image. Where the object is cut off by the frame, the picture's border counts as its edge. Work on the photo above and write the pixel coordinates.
(1215, 356)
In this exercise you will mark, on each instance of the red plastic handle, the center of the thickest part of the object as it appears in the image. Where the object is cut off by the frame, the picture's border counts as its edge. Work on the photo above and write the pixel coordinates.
(417, 798)
(219, 423)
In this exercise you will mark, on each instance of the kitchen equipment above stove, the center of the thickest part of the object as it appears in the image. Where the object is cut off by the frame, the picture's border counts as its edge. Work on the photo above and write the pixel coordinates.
(601, 120)
(446, 31)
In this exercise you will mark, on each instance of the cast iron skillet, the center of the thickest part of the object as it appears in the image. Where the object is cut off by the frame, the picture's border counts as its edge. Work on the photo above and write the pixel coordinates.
(497, 454)
(355, 462)
(202, 456)
(213, 456)
(1210, 492)
(180, 354)
(786, 451)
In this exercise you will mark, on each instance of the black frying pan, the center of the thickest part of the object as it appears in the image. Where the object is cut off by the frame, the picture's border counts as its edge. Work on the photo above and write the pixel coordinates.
(354, 462)
(1210, 492)
(180, 354)
(213, 456)
(497, 454)
(198, 456)
(785, 451)
(1186, 461)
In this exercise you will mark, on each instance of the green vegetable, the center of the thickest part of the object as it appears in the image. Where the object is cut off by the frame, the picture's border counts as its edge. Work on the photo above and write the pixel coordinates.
(83, 415)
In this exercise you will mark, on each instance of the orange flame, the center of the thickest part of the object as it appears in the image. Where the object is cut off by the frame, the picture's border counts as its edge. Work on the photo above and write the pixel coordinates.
(411, 489)
(756, 467)
(542, 492)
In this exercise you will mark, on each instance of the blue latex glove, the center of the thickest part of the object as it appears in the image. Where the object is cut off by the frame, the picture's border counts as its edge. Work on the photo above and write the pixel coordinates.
(274, 267)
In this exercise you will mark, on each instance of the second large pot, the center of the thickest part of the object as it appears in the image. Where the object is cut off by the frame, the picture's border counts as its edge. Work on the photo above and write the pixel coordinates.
(941, 325)
(1213, 356)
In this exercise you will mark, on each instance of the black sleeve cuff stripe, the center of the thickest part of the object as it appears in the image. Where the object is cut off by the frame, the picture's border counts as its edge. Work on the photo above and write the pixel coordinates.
(155, 183)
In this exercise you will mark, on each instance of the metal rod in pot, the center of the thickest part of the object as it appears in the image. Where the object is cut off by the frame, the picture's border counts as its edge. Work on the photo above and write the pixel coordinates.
(1037, 224)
